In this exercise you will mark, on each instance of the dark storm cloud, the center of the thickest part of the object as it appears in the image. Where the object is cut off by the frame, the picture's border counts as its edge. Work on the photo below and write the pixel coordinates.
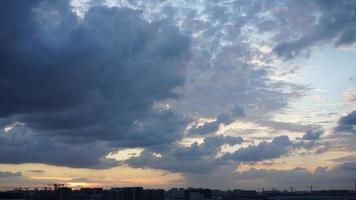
(333, 22)
(223, 73)
(275, 149)
(347, 123)
(30, 148)
(83, 88)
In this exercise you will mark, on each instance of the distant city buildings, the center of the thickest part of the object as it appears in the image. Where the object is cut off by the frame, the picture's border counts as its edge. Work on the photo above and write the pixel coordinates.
(139, 193)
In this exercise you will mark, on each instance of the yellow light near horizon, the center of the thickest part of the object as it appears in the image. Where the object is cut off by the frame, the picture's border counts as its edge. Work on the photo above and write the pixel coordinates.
(81, 184)
(114, 177)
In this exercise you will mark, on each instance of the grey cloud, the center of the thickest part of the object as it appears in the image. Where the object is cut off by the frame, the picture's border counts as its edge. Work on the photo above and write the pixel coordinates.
(312, 135)
(312, 143)
(174, 164)
(349, 166)
(84, 88)
(222, 87)
(231, 140)
(335, 24)
(37, 171)
(23, 148)
(275, 149)
(344, 159)
(225, 118)
(299, 178)
(280, 125)
(196, 158)
(347, 123)
(207, 128)
(221, 74)
(5, 174)
(80, 180)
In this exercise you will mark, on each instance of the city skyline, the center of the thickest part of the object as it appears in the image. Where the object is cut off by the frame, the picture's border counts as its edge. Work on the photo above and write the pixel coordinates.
(139, 193)
(226, 94)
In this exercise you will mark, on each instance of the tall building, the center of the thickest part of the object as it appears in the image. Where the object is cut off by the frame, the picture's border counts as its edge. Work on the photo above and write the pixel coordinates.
(198, 193)
(64, 193)
(196, 196)
(90, 193)
(157, 194)
(175, 194)
(114, 194)
(132, 193)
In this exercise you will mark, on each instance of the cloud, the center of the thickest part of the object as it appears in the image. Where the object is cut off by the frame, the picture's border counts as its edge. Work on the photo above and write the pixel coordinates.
(312, 135)
(4, 174)
(23, 148)
(203, 158)
(192, 164)
(350, 95)
(80, 180)
(75, 90)
(345, 159)
(349, 166)
(347, 123)
(226, 70)
(37, 171)
(299, 178)
(275, 149)
(196, 158)
(83, 88)
(225, 118)
(207, 157)
(332, 23)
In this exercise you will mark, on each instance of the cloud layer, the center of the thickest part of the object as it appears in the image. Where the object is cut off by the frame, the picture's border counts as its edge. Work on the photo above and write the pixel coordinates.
(152, 74)
(347, 123)
(74, 85)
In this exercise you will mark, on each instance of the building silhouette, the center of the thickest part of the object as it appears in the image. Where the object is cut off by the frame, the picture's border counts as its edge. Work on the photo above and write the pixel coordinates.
(139, 193)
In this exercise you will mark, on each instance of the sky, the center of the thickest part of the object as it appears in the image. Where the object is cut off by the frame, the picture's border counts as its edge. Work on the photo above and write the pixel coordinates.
(178, 93)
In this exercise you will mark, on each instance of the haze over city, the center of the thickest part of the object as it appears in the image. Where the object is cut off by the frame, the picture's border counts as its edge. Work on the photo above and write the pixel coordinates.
(223, 94)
